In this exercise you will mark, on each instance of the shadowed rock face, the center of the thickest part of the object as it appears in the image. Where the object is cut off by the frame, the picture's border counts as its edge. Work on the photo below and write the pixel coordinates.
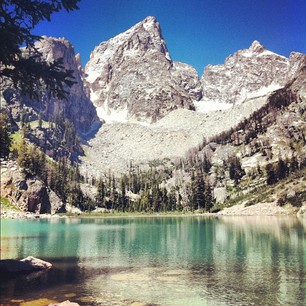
(77, 108)
(134, 73)
(248, 72)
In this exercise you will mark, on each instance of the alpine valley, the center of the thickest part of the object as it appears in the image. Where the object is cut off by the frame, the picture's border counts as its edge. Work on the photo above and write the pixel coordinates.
(140, 132)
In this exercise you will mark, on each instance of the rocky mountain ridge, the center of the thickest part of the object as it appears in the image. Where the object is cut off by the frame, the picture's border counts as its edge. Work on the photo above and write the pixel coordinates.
(233, 90)
(132, 79)
(248, 73)
(132, 76)
(157, 114)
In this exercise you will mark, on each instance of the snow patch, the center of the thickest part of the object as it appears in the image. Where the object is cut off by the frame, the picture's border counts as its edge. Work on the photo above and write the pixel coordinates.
(111, 115)
(250, 53)
(247, 53)
(264, 91)
(94, 96)
(168, 57)
(267, 52)
(92, 75)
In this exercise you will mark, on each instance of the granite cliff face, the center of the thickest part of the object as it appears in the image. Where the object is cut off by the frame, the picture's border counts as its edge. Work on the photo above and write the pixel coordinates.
(77, 108)
(26, 192)
(132, 76)
(248, 73)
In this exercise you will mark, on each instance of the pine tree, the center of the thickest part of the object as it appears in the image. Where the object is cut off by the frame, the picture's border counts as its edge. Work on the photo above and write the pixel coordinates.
(123, 198)
(294, 165)
(23, 156)
(42, 169)
(39, 121)
(206, 164)
(69, 134)
(235, 170)
(164, 200)
(33, 164)
(282, 169)
(156, 198)
(25, 68)
(5, 135)
(200, 186)
(193, 190)
(172, 201)
(208, 196)
(61, 183)
(271, 176)
(77, 197)
(100, 197)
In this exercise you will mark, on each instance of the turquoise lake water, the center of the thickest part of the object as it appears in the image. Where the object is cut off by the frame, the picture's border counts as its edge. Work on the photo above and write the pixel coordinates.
(159, 260)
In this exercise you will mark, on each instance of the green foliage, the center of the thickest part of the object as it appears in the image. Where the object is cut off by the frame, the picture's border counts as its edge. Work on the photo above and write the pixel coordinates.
(25, 68)
(197, 193)
(6, 204)
(5, 134)
(59, 176)
(209, 202)
(40, 123)
(16, 141)
(235, 170)
(66, 129)
(281, 169)
(297, 199)
(271, 175)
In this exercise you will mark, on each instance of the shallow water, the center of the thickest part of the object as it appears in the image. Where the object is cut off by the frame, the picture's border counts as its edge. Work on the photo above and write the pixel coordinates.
(159, 260)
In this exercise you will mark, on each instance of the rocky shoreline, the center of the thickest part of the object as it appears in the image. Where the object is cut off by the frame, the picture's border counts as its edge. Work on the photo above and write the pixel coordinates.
(13, 214)
(260, 209)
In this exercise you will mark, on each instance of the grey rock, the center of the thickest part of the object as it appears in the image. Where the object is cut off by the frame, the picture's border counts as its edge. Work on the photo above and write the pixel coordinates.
(187, 77)
(220, 194)
(77, 108)
(36, 197)
(133, 74)
(27, 264)
(28, 193)
(249, 72)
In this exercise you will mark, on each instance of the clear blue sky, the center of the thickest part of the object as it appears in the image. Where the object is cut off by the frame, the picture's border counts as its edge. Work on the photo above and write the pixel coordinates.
(196, 32)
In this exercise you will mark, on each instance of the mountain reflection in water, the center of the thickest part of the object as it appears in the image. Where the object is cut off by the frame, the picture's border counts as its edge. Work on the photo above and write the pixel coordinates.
(161, 260)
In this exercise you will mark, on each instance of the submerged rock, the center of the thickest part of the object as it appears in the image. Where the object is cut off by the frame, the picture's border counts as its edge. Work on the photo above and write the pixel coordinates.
(27, 264)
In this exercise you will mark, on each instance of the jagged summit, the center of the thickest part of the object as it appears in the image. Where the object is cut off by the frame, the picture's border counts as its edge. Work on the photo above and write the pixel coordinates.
(248, 73)
(256, 46)
(149, 37)
(132, 76)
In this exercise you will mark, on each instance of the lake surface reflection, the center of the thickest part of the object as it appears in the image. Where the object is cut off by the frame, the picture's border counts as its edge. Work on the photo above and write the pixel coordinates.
(159, 260)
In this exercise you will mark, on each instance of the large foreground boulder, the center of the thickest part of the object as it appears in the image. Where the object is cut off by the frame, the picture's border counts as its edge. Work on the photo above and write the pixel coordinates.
(27, 264)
